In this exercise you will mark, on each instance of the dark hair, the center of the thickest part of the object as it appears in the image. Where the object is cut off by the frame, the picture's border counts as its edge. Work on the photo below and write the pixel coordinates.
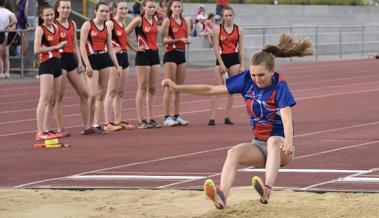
(40, 12)
(143, 5)
(288, 46)
(227, 8)
(169, 11)
(99, 4)
(56, 6)
(210, 16)
(116, 2)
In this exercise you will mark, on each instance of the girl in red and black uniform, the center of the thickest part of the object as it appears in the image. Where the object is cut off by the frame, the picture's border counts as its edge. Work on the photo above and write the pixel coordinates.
(147, 61)
(115, 84)
(98, 55)
(229, 50)
(71, 64)
(47, 45)
(175, 35)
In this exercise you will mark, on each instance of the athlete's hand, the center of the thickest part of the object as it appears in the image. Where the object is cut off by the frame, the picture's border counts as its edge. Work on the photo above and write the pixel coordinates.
(242, 68)
(119, 72)
(89, 71)
(223, 69)
(169, 84)
(188, 40)
(141, 49)
(287, 147)
(61, 44)
(81, 68)
(117, 50)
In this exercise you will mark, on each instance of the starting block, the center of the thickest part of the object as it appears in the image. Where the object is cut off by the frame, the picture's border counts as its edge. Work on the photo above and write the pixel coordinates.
(51, 143)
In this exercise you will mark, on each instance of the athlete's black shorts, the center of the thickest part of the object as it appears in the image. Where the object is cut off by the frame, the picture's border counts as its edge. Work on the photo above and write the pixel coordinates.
(149, 57)
(69, 62)
(100, 60)
(122, 59)
(51, 66)
(230, 59)
(2, 37)
(176, 56)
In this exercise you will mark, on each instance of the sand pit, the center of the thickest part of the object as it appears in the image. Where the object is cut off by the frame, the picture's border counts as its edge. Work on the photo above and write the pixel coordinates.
(243, 202)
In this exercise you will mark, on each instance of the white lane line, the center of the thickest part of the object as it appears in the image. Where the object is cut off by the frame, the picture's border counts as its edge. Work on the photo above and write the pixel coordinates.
(358, 180)
(131, 177)
(306, 170)
(337, 149)
(127, 165)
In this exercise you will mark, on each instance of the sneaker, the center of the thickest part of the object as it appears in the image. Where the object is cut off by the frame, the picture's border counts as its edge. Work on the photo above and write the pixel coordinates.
(263, 190)
(180, 122)
(92, 130)
(227, 121)
(155, 124)
(124, 125)
(42, 136)
(54, 134)
(168, 121)
(214, 194)
(211, 122)
(110, 128)
(144, 125)
(63, 132)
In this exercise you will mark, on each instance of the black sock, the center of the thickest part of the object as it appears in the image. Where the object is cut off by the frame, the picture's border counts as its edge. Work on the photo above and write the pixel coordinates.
(176, 116)
(167, 116)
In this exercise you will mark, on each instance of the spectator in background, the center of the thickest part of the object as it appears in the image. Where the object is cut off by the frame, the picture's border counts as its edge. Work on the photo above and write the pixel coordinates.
(374, 56)
(200, 10)
(7, 22)
(199, 28)
(162, 11)
(220, 5)
(22, 23)
(209, 25)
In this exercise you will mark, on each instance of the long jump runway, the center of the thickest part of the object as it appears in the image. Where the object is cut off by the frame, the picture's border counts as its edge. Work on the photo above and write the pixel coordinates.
(336, 137)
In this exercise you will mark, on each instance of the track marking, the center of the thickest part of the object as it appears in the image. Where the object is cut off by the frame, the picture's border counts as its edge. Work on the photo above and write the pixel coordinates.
(305, 170)
(358, 180)
(132, 177)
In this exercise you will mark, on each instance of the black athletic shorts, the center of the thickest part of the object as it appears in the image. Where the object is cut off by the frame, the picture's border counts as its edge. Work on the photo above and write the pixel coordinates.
(100, 60)
(2, 37)
(122, 59)
(52, 66)
(69, 62)
(230, 59)
(176, 56)
(149, 57)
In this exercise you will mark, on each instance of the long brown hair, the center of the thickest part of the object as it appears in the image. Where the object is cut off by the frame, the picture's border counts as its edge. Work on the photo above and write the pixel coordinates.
(40, 13)
(226, 8)
(143, 6)
(288, 46)
(169, 11)
(56, 6)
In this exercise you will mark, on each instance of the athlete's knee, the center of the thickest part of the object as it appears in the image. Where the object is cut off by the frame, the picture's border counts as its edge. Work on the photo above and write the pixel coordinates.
(274, 141)
(233, 153)
(152, 90)
(59, 98)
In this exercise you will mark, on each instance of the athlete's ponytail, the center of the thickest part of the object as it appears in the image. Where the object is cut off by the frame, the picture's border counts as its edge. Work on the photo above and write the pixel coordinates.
(287, 47)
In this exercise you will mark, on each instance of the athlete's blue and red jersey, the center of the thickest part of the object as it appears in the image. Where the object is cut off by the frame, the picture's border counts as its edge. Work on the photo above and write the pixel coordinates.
(263, 105)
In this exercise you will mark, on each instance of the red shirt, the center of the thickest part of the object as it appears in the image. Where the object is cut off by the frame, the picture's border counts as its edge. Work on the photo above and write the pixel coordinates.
(97, 39)
(119, 36)
(176, 31)
(147, 34)
(67, 34)
(228, 42)
(222, 2)
(49, 39)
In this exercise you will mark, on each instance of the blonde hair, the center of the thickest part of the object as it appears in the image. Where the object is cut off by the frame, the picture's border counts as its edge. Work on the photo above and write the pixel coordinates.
(288, 46)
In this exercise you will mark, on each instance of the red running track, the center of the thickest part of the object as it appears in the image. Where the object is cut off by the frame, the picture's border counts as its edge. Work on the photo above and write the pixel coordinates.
(336, 124)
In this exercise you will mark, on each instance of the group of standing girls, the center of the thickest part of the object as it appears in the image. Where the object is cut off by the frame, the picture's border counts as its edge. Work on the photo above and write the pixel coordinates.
(98, 68)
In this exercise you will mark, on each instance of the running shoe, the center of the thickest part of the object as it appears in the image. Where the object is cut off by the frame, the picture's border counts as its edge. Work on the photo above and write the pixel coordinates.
(110, 128)
(214, 193)
(211, 122)
(168, 121)
(155, 124)
(144, 125)
(63, 132)
(125, 125)
(180, 122)
(92, 130)
(54, 134)
(42, 136)
(263, 190)
(227, 121)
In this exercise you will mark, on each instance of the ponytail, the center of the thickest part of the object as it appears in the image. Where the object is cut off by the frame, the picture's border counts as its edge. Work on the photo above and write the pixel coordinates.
(287, 47)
